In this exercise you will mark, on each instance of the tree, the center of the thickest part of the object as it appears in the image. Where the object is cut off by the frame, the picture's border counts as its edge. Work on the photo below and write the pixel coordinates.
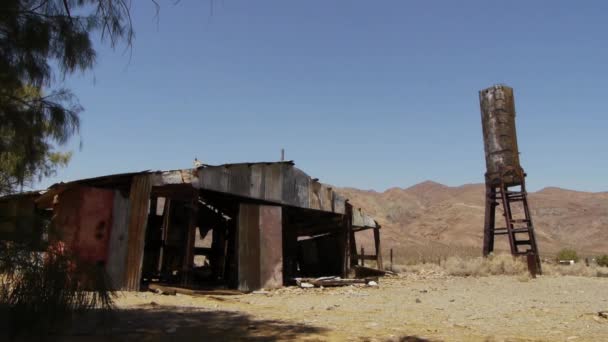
(40, 40)
(28, 157)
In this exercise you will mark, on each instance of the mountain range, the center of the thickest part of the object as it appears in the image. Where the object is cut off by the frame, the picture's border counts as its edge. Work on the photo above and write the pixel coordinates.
(434, 219)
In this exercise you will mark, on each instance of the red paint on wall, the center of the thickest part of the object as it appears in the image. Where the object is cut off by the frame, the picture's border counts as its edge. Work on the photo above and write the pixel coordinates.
(83, 219)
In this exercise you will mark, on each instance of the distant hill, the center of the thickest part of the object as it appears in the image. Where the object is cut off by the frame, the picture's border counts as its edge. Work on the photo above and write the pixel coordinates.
(435, 219)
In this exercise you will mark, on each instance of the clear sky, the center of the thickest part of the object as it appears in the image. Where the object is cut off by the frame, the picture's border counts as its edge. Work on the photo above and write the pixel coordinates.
(368, 94)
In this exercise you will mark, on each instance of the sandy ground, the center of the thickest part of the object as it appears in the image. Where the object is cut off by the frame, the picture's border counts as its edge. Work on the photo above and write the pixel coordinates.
(404, 308)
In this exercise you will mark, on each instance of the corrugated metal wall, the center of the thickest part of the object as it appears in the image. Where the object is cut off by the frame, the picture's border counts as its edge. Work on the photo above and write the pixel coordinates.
(139, 199)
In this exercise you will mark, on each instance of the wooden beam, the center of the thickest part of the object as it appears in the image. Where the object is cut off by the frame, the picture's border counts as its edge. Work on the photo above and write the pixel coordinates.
(188, 262)
(378, 249)
(347, 240)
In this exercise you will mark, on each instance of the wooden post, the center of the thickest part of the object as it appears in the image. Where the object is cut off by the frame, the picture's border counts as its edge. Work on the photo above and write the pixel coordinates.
(378, 249)
(188, 262)
(489, 220)
(532, 265)
(164, 231)
(347, 237)
(392, 260)
(362, 256)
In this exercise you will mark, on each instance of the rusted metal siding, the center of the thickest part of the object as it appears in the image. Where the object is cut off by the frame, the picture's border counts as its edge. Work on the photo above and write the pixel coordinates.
(296, 187)
(360, 219)
(499, 135)
(83, 219)
(260, 245)
(280, 183)
(138, 217)
(119, 234)
(248, 247)
(273, 183)
(271, 247)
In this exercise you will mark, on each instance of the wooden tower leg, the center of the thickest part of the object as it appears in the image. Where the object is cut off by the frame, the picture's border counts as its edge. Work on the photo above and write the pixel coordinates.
(490, 219)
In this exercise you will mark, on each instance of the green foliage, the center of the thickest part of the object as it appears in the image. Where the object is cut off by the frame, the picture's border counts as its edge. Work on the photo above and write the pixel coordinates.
(36, 38)
(567, 254)
(602, 260)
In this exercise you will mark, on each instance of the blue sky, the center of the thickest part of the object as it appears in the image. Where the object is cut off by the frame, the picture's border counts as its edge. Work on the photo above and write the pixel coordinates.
(369, 94)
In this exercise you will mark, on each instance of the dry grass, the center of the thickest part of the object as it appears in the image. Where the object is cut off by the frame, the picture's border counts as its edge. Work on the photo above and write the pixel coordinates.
(428, 254)
(503, 264)
(578, 269)
(492, 265)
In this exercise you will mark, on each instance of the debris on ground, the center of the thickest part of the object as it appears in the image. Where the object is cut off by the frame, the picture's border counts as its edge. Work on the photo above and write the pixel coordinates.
(334, 281)
(171, 290)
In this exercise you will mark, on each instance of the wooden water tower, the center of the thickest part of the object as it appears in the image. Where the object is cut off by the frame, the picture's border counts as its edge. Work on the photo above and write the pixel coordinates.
(505, 178)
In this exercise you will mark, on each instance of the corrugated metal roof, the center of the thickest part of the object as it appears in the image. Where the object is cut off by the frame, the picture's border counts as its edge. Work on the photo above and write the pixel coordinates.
(275, 182)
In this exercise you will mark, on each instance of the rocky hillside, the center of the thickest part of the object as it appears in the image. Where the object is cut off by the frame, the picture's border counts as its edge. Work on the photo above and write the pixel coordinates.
(436, 220)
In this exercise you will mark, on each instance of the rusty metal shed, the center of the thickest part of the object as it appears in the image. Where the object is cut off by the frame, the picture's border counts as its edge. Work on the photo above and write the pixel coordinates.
(265, 223)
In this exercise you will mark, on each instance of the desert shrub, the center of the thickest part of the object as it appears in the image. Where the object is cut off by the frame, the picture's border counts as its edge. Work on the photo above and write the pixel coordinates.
(567, 254)
(418, 269)
(578, 269)
(602, 260)
(492, 265)
(40, 293)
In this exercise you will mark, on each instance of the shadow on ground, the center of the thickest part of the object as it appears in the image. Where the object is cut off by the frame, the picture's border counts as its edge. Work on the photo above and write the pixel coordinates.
(186, 324)
(414, 339)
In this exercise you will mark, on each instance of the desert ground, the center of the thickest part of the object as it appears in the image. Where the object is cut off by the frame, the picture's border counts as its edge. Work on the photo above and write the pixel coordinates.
(408, 307)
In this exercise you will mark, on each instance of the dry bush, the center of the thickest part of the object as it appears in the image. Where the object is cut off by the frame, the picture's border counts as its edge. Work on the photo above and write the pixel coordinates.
(40, 293)
(418, 269)
(434, 253)
(503, 264)
(578, 269)
(492, 265)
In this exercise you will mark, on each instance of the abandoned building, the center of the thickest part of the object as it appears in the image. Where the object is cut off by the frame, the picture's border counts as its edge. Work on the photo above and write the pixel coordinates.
(244, 226)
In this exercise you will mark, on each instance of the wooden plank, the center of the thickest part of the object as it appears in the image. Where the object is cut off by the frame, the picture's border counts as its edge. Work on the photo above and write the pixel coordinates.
(119, 235)
(139, 198)
(271, 247)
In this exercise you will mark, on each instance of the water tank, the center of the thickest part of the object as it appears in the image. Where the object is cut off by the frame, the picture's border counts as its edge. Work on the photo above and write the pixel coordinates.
(499, 137)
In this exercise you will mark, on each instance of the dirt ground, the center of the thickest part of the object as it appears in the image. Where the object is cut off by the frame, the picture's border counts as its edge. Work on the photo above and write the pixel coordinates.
(405, 308)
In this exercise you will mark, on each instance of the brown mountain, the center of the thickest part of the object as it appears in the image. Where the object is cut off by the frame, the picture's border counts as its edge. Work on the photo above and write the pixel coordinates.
(435, 219)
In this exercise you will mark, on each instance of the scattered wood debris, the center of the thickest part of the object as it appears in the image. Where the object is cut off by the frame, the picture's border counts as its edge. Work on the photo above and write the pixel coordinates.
(171, 290)
(334, 281)
(603, 314)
